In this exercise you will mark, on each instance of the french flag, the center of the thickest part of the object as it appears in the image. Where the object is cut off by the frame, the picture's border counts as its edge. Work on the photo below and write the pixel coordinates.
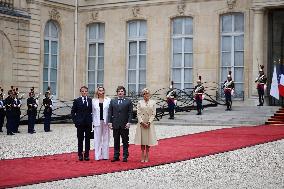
(277, 85)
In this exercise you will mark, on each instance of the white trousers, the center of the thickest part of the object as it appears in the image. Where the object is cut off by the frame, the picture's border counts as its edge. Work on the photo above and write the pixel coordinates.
(101, 139)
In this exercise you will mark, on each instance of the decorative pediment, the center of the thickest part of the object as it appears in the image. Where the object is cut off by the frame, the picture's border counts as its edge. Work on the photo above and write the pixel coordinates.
(135, 11)
(54, 14)
(30, 1)
(231, 3)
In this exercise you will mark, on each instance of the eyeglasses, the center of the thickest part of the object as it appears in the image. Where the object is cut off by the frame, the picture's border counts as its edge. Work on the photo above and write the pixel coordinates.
(145, 93)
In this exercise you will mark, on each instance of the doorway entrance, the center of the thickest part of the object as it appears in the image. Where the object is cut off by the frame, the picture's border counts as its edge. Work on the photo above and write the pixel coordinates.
(275, 50)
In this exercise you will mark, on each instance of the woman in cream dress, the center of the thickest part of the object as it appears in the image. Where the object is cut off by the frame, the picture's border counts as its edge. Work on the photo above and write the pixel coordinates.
(100, 106)
(145, 131)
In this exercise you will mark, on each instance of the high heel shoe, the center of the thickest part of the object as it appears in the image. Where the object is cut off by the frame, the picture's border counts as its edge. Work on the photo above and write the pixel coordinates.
(146, 158)
(142, 157)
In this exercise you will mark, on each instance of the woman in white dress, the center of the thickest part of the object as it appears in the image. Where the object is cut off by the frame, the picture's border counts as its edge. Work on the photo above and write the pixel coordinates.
(100, 105)
(145, 131)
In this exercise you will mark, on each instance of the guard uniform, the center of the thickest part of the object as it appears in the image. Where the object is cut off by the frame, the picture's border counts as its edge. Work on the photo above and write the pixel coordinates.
(199, 92)
(229, 87)
(32, 111)
(47, 103)
(261, 85)
(9, 115)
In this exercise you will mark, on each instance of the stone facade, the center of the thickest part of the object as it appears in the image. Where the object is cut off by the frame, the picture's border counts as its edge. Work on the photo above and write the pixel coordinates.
(22, 40)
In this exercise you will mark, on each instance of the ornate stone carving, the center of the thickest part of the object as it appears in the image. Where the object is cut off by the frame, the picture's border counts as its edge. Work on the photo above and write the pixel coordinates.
(181, 7)
(30, 1)
(94, 15)
(54, 14)
(135, 11)
(231, 3)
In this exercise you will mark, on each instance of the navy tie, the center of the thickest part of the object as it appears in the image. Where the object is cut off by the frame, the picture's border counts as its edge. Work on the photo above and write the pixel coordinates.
(85, 101)
(119, 101)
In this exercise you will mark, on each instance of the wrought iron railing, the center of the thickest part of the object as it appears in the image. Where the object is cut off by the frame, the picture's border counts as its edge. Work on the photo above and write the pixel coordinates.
(9, 4)
(185, 102)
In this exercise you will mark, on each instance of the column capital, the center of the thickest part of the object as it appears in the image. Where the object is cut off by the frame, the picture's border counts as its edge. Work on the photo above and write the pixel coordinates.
(258, 10)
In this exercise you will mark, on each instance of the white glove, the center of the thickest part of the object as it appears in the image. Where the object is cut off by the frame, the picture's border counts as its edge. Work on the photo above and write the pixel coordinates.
(110, 125)
(127, 126)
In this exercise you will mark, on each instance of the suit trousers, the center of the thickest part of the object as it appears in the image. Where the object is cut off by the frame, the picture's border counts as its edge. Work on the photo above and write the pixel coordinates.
(31, 121)
(260, 95)
(47, 118)
(228, 97)
(9, 123)
(101, 141)
(84, 132)
(124, 133)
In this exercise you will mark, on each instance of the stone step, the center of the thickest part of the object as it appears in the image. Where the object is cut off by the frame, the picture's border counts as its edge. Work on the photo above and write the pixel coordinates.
(275, 119)
(279, 114)
(274, 122)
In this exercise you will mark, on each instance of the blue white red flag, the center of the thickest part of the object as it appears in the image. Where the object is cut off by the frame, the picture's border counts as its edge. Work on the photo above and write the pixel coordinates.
(277, 84)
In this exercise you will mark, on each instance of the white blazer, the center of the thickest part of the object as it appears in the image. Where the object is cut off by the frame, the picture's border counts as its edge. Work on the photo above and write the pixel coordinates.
(96, 111)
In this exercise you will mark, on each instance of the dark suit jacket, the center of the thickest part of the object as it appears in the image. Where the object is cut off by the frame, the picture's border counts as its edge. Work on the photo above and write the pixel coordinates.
(120, 114)
(81, 114)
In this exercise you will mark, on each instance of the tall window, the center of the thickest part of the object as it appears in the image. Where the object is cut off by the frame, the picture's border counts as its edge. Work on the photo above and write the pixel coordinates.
(95, 33)
(182, 52)
(51, 52)
(137, 31)
(232, 49)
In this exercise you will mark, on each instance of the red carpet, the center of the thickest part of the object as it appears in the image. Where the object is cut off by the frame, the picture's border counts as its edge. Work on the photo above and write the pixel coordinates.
(24, 171)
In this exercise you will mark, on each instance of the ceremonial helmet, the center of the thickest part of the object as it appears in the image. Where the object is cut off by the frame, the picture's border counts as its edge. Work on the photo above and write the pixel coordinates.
(172, 85)
(199, 80)
(16, 92)
(47, 92)
(32, 92)
(229, 77)
(261, 67)
(11, 91)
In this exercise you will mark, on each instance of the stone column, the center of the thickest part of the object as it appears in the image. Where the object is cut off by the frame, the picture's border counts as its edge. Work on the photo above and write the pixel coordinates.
(257, 45)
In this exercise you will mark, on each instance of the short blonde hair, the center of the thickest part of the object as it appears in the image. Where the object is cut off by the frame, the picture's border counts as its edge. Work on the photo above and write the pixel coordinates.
(145, 90)
(96, 95)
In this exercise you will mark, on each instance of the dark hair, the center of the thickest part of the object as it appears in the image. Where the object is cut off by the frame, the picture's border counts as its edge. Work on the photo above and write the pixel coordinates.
(83, 87)
(119, 88)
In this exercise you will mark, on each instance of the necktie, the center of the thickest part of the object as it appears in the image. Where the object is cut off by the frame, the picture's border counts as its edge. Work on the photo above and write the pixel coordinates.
(85, 101)
(119, 101)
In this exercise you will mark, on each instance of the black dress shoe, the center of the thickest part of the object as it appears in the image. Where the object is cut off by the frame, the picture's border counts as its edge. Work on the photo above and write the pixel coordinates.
(124, 160)
(80, 158)
(86, 158)
(17, 132)
(10, 133)
(115, 159)
(1, 130)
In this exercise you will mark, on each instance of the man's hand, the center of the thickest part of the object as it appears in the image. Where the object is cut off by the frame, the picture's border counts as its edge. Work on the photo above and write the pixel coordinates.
(127, 126)
(110, 125)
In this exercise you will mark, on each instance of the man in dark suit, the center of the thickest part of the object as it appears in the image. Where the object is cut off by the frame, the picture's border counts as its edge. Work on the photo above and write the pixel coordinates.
(120, 115)
(82, 117)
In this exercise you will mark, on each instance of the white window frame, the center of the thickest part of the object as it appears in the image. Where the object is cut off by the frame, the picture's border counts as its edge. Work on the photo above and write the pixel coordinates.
(50, 39)
(231, 34)
(136, 39)
(95, 42)
(182, 36)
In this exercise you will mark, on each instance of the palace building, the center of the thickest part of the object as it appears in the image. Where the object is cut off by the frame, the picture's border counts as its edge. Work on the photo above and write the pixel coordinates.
(138, 43)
